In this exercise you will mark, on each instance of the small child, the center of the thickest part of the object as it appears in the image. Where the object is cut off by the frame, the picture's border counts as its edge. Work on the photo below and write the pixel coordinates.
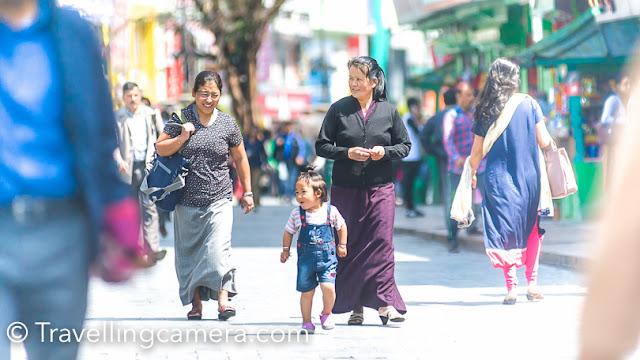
(317, 260)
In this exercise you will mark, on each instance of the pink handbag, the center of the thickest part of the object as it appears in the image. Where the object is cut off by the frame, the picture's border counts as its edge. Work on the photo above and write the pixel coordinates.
(562, 181)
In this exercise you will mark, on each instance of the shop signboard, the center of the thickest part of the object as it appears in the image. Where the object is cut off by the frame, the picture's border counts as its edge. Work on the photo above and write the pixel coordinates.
(612, 10)
(285, 104)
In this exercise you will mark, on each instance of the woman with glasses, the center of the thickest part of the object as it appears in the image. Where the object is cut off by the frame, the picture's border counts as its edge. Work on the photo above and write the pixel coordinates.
(204, 215)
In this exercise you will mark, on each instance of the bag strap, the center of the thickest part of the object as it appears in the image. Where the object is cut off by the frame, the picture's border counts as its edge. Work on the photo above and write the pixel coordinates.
(183, 120)
(178, 183)
(497, 128)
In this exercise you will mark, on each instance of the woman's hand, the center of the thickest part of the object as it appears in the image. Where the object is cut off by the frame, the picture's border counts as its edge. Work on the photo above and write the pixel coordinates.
(359, 154)
(187, 130)
(377, 153)
(247, 201)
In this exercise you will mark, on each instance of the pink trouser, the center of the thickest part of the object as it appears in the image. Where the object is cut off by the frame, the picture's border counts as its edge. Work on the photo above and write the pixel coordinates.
(532, 258)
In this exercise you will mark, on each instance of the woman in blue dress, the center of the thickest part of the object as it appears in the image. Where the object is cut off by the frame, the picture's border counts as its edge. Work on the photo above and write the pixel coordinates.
(512, 234)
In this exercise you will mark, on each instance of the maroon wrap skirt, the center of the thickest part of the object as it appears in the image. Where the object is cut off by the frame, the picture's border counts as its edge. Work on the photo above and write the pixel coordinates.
(365, 277)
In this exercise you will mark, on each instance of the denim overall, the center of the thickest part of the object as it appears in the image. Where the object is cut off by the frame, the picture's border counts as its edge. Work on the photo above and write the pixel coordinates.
(317, 260)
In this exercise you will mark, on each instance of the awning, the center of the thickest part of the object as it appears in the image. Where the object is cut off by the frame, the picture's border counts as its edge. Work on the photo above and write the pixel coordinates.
(585, 41)
(444, 75)
(474, 14)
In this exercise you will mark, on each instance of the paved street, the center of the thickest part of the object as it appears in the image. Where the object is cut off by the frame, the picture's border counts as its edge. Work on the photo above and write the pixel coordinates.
(454, 309)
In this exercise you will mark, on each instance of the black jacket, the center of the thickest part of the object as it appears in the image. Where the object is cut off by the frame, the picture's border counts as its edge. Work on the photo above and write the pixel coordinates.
(344, 128)
(431, 136)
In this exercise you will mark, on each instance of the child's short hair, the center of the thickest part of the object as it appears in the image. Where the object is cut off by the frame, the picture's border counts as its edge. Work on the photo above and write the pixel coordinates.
(316, 181)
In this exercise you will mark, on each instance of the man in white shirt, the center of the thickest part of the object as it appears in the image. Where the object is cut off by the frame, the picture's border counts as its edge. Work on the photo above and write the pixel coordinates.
(614, 116)
(138, 128)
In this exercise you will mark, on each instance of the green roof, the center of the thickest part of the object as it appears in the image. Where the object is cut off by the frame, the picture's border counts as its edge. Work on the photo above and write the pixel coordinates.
(436, 78)
(584, 41)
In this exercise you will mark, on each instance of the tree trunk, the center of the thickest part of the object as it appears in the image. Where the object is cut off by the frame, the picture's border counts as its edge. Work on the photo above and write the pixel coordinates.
(243, 85)
(239, 26)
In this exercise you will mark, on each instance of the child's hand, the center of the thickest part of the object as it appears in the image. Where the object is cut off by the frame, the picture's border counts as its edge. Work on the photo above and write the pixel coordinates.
(342, 251)
(284, 256)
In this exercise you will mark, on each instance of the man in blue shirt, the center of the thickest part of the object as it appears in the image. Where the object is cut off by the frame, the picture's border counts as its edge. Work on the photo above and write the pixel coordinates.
(295, 156)
(59, 186)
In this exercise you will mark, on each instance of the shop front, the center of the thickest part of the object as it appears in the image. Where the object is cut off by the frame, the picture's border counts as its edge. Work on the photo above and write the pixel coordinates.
(585, 57)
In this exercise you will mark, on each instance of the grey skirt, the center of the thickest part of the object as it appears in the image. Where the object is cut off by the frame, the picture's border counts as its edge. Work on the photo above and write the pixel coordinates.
(203, 250)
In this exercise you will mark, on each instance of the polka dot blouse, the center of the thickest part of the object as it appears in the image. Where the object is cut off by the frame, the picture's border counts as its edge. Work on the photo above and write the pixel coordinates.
(207, 150)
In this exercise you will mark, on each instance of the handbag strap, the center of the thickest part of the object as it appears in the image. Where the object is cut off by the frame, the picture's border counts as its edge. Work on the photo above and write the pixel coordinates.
(183, 120)
(497, 128)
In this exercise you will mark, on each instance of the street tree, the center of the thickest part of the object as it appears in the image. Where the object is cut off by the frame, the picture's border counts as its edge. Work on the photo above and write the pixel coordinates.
(239, 27)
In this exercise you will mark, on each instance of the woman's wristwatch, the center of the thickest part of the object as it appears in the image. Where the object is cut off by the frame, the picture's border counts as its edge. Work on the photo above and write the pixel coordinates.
(250, 193)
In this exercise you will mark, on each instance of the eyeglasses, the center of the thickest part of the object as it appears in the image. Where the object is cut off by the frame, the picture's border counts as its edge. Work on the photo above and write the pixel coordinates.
(204, 96)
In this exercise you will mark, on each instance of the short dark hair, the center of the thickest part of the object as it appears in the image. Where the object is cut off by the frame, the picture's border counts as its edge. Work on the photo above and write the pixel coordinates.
(412, 102)
(449, 97)
(128, 86)
(316, 181)
(206, 76)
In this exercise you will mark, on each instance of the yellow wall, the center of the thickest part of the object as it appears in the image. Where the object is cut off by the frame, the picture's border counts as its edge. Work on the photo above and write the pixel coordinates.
(141, 49)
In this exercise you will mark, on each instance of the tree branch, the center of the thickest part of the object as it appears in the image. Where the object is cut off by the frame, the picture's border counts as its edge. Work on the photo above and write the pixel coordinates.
(271, 12)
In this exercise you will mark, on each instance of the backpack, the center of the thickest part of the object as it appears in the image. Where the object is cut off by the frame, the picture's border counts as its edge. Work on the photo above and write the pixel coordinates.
(165, 179)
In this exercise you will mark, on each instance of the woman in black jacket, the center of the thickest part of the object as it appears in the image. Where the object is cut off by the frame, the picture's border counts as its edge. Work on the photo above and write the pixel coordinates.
(363, 133)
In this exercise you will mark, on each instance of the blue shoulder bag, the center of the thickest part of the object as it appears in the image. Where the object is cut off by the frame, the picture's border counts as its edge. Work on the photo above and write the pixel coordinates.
(165, 179)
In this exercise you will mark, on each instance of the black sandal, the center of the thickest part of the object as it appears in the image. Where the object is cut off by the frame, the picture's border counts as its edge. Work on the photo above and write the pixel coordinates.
(356, 319)
(225, 312)
(195, 314)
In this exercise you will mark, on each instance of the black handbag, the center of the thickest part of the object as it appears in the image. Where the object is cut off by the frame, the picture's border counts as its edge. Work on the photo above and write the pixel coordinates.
(165, 179)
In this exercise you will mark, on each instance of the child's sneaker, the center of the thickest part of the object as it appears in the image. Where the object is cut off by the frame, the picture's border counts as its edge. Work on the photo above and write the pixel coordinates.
(327, 322)
(309, 328)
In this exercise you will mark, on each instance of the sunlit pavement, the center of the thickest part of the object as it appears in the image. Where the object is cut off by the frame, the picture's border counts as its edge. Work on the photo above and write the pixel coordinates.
(454, 309)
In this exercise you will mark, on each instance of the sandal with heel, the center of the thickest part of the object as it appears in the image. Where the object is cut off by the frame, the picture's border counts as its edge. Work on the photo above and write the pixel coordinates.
(388, 315)
(225, 312)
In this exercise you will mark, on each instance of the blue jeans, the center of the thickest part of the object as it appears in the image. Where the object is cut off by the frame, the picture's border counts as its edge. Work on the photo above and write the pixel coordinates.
(317, 263)
(290, 185)
(44, 274)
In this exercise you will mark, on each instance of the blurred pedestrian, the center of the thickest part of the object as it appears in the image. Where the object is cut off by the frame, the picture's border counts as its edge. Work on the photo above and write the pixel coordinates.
(294, 153)
(411, 163)
(254, 146)
(431, 139)
(363, 133)
(317, 246)
(611, 317)
(457, 130)
(512, 185)
(203, 217)
(612, 122)
(59, 186)
(138, 127)
(281, 173)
